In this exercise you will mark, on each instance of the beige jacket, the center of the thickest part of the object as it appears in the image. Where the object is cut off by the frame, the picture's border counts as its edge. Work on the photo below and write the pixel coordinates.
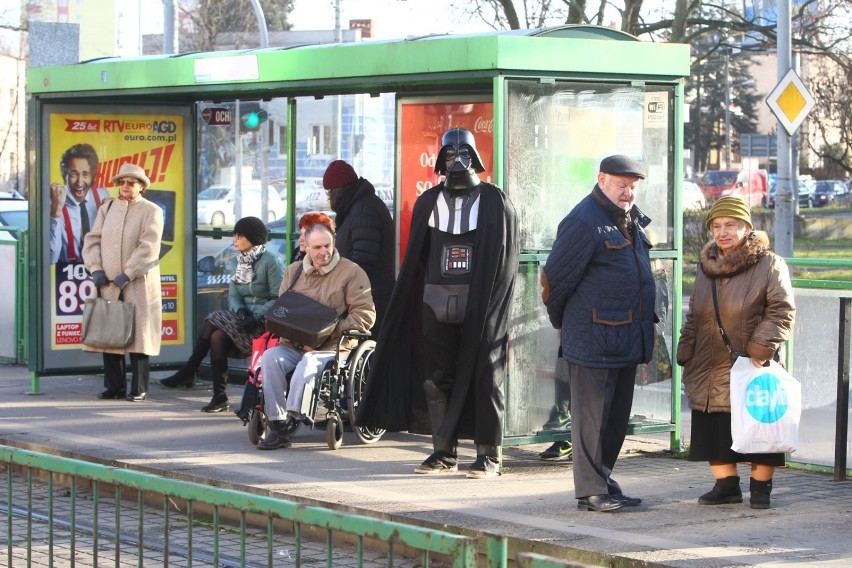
(126, 238)
(756, 307)
(341, 285)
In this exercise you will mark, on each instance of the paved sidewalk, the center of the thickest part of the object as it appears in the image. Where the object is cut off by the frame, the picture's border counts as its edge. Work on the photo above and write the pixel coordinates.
(532, 503)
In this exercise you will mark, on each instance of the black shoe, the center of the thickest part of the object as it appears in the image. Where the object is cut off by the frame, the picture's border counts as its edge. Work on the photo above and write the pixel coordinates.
(217, 405)
(484, 466)
(137, 397)
(439, 462)
(628, 501)
(559, 451)
(274, 439)
(602, 503)
(177, 380)
(110, 394)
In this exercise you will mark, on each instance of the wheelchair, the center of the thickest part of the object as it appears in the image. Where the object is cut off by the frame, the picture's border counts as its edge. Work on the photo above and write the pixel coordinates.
(339, 388)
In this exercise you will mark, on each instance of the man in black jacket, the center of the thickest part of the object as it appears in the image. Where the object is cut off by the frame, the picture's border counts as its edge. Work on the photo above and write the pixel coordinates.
(439, 364)
(365, 233)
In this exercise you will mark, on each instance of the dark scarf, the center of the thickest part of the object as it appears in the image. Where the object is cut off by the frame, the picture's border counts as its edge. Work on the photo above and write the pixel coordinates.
(718, 265)
(624, 219)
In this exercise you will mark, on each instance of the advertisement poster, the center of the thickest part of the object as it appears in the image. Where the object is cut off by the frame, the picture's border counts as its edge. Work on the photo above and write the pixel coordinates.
(86, 151)
(421, 126)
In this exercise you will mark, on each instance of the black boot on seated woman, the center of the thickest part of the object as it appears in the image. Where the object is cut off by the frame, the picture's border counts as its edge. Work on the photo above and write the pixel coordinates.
(185, 376)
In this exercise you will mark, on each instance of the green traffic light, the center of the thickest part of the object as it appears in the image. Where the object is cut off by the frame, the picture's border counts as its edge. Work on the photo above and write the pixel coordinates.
(252, 120)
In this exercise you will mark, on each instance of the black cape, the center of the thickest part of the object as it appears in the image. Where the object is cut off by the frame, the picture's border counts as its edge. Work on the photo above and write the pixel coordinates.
(394, 397)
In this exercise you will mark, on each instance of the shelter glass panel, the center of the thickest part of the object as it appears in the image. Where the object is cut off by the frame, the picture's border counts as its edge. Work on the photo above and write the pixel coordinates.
(557, 133)
(356, 128)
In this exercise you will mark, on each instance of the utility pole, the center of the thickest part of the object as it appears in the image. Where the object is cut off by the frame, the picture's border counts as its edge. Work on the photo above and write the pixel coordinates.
(264, 126)
(784, 193)
(727, 110)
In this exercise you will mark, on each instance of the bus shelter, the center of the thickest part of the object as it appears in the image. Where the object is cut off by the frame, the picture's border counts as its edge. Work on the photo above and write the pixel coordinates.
(228, 134)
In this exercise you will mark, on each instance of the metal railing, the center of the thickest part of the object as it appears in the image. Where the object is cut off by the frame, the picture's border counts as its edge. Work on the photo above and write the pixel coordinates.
(119, 516)
(161, 532)
(844, 296)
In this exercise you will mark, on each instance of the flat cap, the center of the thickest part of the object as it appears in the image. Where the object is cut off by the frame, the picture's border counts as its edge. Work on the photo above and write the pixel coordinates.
(620, 165)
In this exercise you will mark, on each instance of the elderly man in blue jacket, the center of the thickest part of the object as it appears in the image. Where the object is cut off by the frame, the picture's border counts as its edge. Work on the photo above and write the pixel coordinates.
(599, 290)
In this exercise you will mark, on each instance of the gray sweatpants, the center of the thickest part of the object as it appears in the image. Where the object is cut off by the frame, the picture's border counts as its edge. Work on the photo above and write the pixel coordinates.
(275, 365)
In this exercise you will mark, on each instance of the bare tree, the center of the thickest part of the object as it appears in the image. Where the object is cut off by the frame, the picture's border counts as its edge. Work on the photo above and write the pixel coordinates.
(203, 21)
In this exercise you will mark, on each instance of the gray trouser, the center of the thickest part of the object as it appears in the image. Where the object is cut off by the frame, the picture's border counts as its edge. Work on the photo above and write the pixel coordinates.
(275, 365)
(601, 411)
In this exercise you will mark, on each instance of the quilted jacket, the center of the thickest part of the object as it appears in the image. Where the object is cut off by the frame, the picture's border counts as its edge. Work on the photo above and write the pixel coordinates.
(599, 287)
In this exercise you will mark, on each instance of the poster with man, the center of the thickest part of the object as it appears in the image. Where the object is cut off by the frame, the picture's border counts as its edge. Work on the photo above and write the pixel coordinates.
(86, 151)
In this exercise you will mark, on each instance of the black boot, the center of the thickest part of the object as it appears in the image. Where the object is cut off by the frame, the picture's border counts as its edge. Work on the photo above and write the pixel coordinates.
(444, 458)
(140, 370)
(760, 491)
(115, 377)
(185, 377)
(726, 490)
(219, 402)
(277, 436)
(487, 462)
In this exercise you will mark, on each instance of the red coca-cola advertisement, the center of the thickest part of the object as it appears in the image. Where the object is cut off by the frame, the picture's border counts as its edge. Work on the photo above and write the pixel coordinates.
(422, 124)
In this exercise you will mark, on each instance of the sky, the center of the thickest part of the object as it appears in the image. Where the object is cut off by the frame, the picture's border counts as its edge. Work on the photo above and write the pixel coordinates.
(391, 18)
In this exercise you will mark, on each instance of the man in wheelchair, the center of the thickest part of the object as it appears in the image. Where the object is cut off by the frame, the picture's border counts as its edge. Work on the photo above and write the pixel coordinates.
(324, 276)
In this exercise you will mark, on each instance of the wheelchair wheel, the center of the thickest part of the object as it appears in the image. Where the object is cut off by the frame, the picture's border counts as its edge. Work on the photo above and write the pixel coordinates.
(256, 426)
(359, 369)
(334, 431)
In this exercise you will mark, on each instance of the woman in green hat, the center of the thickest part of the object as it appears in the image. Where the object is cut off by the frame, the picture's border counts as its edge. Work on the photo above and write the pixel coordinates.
(756, 309)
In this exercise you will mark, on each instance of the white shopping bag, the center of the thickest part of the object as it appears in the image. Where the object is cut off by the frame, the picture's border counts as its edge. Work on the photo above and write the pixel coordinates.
(766, 404)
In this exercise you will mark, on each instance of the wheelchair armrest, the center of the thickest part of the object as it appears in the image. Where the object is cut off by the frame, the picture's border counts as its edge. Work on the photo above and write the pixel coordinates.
(356, 333)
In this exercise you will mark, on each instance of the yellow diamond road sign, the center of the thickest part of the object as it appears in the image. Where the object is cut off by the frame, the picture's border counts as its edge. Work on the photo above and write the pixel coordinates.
(790, 101)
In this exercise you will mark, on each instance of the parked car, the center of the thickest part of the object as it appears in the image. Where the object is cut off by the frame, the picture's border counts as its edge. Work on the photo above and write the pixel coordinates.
(13, 213)
(805, 197)
(315, 201)
(216, 204)
(692, 196)
(829, 192)
(750, 185)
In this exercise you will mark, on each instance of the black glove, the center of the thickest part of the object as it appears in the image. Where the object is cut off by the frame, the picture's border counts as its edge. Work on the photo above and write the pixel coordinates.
(121, 280)
(247, 321)
(99, 278)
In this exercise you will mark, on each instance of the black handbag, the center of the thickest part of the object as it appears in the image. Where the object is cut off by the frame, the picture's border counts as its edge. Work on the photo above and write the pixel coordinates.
(301, 320)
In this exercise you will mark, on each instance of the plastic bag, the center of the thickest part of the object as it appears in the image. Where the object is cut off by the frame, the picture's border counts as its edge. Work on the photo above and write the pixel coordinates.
(766, 404)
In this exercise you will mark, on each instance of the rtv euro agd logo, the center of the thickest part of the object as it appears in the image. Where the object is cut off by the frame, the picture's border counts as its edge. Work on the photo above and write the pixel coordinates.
(766, 399)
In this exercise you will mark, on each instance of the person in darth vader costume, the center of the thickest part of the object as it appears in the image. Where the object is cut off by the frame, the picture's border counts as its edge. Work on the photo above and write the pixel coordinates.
(439, 364)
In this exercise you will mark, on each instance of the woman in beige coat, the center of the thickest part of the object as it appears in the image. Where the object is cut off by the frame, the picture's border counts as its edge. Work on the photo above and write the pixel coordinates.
(755, 303)
(122, 253)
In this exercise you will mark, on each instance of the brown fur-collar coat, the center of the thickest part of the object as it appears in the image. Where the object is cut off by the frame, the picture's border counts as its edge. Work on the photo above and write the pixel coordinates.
(756, 308)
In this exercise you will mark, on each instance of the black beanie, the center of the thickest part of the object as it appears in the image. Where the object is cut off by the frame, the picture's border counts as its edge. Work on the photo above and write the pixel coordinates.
(253, 229)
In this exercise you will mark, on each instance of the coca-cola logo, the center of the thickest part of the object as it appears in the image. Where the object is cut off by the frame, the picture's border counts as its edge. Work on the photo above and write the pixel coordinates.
(482, 125)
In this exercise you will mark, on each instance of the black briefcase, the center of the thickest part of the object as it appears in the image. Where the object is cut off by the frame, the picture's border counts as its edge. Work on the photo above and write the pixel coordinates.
(300, 319)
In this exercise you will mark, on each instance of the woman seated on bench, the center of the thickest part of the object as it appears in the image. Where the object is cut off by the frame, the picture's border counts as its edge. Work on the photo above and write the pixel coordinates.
(253, 289)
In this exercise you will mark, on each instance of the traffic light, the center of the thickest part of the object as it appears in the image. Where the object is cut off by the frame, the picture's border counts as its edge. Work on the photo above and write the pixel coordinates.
(252, 118)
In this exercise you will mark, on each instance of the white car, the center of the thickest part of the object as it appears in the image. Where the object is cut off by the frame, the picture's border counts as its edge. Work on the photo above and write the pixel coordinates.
(692, 196)
(216, 204)
(13, 213)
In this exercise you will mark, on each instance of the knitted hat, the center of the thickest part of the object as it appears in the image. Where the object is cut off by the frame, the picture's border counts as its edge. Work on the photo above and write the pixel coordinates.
(338, 174)
(733, 207)
(132, 170)
(619, 165)
(253, 229)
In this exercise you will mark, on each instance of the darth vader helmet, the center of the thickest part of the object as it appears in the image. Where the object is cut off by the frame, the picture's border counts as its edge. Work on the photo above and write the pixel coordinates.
(458, 153)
